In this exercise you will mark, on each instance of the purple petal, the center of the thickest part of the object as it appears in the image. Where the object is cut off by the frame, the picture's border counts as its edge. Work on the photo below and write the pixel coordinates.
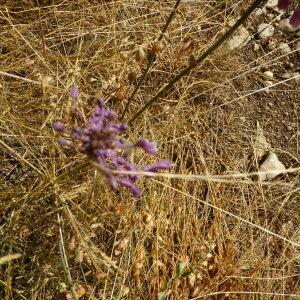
(60, 127)
(119, 127)
(111, 115)
(295, 18)
(63, 142)
(74, 92)
(113, 182)
(161, 165)
(130, 167)
(284, 4)
(149, 147)
(136, 191)
(76, 133)
(101, 102)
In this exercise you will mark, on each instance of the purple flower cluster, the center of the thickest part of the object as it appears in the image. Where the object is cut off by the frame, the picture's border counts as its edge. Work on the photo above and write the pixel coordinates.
(102, 142)
(295, 18)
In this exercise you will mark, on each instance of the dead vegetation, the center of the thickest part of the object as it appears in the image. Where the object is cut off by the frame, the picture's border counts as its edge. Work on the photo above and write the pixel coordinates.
(183, 239)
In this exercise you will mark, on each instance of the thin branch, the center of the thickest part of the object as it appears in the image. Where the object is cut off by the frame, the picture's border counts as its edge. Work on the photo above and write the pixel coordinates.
(199, 60)
(64, 261)
(151, 59)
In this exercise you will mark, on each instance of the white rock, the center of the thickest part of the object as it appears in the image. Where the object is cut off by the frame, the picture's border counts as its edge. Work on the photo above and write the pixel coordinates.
(296, 76)
(268, 83)
(271, 167)
(284, 47)
(286, 75)
(231, 21)
(258, 12)
(285, 26)
(265, 30)
(255, 47)
(241, 38)
(272, 3)
(268, 74)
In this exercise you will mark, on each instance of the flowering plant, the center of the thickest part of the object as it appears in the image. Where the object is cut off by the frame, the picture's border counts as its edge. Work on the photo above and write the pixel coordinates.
(295, 18)
(102, 141)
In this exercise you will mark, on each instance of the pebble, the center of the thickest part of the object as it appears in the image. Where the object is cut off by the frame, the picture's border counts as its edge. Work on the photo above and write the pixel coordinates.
(258, 12)
(271, 45)
(231, 22)
(297, 76)
(255, 47)
(286, 75)
(240, 39)
(265, 30)
(268, 75)
(272, 3)
(285, 26)
(284, 47)
(271, 167)
(268, 83)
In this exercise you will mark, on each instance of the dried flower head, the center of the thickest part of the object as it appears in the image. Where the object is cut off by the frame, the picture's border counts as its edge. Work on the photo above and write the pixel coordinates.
(102, 141)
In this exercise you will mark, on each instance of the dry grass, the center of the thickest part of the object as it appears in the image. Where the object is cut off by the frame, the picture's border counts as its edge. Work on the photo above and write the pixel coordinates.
(237, 238)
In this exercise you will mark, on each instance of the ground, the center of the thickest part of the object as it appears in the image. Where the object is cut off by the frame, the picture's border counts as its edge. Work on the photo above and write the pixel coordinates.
(201, 238)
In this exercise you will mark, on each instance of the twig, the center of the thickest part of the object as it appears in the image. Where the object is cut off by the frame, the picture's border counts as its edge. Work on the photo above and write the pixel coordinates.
(151, 59)
(200, 59)
(64, 260)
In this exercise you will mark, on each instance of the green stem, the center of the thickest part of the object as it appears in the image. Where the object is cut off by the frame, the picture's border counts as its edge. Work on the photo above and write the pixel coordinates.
(197, 61)
(150, 60)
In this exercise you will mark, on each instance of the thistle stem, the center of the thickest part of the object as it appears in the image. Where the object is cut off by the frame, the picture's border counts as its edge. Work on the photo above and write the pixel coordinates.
(198, 60)
(151, 60)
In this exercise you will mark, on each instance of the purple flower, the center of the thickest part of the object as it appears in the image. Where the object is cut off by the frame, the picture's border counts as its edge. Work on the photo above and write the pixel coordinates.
(102, 142)
(284, 4)
(295, 18)
(149, 147)
(74, 92)
(59, 127)
(63, 142)
(161, 165)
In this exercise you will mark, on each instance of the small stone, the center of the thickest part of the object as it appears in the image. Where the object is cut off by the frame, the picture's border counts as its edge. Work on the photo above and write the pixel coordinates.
(271, 167)
(267, 84)
(286, 75)
(271, 45)
(240, 39)
(265, 30)
(268, 74)
(258, 12)
(284, 47)
(272, 3)
(231, 22)
(255, 47)
(296, 76)
(285, 26)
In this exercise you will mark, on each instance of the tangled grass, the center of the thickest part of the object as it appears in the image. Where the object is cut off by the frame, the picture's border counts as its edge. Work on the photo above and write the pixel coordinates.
(65, 234)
